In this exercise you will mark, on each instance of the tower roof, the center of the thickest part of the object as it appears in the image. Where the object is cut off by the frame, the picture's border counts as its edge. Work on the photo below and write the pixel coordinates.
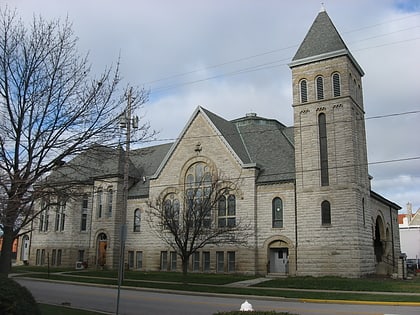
(322, 42)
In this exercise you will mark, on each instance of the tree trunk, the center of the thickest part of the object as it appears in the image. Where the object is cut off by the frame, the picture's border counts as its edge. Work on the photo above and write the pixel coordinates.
(185, 269)
(6, 251)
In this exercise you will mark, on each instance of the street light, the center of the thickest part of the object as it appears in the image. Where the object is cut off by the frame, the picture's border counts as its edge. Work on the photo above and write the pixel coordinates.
(126, 122)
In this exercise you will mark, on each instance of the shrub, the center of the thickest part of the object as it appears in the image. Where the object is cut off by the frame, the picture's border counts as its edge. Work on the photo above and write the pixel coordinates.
(16, 299)
(252, 313)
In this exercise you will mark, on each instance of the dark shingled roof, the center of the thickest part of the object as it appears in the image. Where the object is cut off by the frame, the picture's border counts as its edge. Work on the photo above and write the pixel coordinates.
(230, 133)
(147, 160)
(264, 142)
(95, 163)
(321, 38)
(270, 145)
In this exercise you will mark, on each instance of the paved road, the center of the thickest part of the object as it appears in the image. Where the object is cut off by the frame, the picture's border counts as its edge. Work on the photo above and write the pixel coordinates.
(135, 302)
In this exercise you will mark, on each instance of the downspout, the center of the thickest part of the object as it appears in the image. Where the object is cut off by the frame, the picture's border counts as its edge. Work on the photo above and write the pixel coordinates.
(392, 238)
(91, 223)
(256, 224)
(296, 230)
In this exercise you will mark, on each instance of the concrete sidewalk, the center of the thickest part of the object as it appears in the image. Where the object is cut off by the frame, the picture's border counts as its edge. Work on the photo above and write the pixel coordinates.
(247, 283)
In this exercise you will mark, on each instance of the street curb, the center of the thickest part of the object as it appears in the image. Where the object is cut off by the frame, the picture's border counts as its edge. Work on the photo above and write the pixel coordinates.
(360, 302)
(249, 297)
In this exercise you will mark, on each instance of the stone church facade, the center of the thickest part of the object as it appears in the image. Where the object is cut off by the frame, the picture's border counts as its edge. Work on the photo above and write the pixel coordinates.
(304, 190)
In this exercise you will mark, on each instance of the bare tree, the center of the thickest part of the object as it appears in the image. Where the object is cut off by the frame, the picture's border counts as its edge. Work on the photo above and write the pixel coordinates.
(202, 213)
(51, 108)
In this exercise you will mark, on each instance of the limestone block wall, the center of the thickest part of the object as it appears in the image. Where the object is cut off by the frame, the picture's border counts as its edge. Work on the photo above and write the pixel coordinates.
(264, 222)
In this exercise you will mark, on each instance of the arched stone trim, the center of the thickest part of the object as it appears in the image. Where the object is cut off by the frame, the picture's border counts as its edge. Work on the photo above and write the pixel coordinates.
(168, 191)
(213, 171)
(193, 160)
(280, 255)
(102, 244)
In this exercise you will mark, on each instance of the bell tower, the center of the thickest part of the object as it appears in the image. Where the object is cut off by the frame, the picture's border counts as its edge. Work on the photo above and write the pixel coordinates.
(332, 181)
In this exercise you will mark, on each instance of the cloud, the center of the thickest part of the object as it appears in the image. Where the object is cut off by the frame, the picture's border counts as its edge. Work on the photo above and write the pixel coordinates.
(233, 58)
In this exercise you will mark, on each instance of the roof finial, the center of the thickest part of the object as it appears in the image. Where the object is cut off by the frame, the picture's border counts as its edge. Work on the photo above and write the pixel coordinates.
(322, 7)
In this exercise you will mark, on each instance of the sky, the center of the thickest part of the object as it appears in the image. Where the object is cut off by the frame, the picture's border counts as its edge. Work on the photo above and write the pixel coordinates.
(232, 56)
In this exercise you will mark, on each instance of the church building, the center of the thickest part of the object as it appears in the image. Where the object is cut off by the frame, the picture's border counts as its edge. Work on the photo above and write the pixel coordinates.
(304, 190)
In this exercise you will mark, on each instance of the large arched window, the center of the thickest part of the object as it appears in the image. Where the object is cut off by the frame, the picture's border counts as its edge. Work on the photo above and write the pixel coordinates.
(323, 149)
(137, 220)
(325, 213)
(277, 211)
(319, 88)
(336, 84)
(198, 190)
(303, 91)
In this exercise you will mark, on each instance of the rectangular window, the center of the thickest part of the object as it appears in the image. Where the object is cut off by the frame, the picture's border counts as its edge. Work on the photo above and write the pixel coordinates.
(139, 260)
(81, 255)
(38, 257)
(130, 259)
(163, 261)
(173, 261)
(59, 257)
(206, 261)
(220, 262)
(53, 257)
(43, 257)
(196, 261)
(231, 261)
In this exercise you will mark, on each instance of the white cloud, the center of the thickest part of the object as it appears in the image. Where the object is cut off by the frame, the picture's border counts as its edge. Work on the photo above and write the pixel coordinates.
(161, 38)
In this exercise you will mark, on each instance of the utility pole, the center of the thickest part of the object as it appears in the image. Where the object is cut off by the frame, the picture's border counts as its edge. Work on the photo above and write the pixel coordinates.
(125, 122)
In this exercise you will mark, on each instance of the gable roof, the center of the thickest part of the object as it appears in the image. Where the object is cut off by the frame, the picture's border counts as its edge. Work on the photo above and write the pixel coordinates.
(230, 133)
(254, 141)
(322, 42)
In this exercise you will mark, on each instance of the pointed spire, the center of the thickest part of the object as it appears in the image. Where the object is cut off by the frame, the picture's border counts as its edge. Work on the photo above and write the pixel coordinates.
(321, 42)
(322, 7)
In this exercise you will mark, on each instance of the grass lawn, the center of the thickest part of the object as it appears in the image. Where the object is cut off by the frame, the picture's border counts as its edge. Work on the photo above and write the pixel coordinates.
(47, 309)
(216, 283)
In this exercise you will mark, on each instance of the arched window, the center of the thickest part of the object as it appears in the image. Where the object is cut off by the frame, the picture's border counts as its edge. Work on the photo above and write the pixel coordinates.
(109, 202)
(198, 190)
(99, 203)
(325, 213)
(303, 86)
(84, 216)
(171, 212)
(336, 84)
(137, 220)
(226, 211)
(323, 149)
(319, 88)
(277, 211)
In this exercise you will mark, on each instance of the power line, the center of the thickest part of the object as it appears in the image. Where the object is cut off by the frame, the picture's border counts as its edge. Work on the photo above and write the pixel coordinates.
(260, 66)
(291, 127)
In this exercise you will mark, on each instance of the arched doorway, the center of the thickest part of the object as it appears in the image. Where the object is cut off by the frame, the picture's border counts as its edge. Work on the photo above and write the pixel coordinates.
(379, 240)
(101, 245)
(278, 257)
